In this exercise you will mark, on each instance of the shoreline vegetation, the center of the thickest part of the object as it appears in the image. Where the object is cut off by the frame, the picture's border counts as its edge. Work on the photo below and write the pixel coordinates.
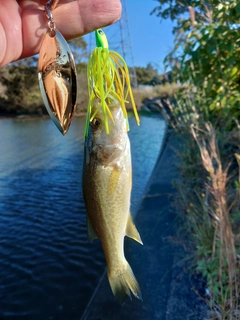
(20, 94)
(206, 115)
(149, 99)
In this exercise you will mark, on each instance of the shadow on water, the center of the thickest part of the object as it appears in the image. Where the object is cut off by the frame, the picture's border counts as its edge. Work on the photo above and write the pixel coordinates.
(48, 269)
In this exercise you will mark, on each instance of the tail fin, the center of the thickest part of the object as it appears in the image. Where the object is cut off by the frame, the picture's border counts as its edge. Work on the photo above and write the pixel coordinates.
(122, 282)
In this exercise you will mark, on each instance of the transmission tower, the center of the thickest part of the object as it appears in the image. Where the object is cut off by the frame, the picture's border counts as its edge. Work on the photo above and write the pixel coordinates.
(119, 40)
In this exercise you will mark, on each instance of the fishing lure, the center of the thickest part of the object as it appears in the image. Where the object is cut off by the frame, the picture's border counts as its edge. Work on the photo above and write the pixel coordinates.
(108, 81)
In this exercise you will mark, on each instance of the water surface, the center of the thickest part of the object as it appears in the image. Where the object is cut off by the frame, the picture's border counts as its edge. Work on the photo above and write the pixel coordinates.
(48, 269)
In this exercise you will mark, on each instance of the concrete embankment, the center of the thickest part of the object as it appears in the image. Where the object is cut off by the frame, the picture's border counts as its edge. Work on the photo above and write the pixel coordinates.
(159, 264)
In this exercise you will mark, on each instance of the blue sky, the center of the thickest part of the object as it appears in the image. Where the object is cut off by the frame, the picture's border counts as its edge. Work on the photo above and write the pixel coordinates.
(150, 38)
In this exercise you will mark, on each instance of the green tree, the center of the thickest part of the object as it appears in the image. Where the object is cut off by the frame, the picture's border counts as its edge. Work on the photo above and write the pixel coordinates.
(148, 75)
(19, 81)
(79, 49)
(206, 54)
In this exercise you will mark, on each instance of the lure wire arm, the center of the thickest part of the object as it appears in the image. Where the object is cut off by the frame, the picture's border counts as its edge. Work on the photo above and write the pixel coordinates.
(51, 5)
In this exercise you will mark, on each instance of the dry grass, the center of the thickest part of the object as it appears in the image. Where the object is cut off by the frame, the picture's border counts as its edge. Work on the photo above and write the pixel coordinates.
(209, 195)
(209, 198)
(224, 293)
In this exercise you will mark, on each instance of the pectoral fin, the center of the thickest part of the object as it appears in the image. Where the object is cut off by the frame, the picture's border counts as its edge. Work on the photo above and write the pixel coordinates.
(91, 233)
(131, 230)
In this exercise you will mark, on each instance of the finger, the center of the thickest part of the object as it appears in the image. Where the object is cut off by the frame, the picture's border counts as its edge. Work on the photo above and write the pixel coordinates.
(10, 31)
(72, 19)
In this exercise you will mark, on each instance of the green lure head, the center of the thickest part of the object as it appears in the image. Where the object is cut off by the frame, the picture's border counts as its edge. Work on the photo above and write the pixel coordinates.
(101, 39)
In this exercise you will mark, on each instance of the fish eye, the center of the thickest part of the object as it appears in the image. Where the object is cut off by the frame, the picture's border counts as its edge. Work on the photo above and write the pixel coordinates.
(96, 122)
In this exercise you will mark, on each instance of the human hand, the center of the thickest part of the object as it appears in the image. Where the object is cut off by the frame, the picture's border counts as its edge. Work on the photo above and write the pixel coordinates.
(23, 23)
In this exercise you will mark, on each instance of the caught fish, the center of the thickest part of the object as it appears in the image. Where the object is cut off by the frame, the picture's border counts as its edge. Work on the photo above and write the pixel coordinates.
(107, 183)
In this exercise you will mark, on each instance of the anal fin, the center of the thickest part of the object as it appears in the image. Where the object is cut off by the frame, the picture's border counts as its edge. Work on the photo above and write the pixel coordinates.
(131, 230)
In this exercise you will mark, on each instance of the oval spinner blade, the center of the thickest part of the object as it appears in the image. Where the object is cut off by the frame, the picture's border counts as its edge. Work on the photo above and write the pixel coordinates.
(58, 80)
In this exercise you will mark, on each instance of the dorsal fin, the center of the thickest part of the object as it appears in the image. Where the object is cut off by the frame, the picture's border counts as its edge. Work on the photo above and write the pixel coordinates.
(131, 230)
